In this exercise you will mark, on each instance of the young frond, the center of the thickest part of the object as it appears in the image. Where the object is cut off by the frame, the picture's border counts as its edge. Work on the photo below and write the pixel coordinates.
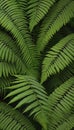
(61, 107)
(12, 119)
(60, 56)
(37, 10)
(26, 90)
(59, 15)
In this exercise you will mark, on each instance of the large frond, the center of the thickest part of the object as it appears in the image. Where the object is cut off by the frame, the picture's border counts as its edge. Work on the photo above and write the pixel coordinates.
(61, 107)
(58, 57)
(12, 119)
(10, 52)
(26, 90)
(37, 10)
(59, 15)
(13, 20)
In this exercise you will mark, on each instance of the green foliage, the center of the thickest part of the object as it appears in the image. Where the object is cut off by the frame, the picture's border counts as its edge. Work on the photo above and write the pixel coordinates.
(13, 20)
(58, 57)
(37, 10)
(9, 53)
(12, 119)
(28, 91)
(61, 106)
(59, 15)
(37, 64)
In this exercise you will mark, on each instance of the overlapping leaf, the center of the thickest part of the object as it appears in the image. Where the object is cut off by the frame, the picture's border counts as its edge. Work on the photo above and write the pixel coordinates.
(26, 90)
(61, 106)
(58, 16)
(60, 55)
(13, 20)
(12, 119)
(37, 10)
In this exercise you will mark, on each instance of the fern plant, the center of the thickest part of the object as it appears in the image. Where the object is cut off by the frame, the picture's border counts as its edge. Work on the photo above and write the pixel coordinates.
(36, 64)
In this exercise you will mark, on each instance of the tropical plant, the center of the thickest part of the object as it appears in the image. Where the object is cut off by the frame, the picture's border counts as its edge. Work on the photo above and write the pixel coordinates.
(36, 64)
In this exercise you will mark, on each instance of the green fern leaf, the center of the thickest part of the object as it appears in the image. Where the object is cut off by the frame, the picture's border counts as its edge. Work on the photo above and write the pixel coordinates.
(58, 57)
(37, 10)
(26, 27)
(7, 54)
(61, 106)
(27, 90)
(6, 69)
(68, 124)
(12, 119)
(10, 54)
(59, 15)
(13, 20)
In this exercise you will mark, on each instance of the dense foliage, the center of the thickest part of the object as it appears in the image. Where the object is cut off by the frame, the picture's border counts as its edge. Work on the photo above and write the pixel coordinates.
(36, 64)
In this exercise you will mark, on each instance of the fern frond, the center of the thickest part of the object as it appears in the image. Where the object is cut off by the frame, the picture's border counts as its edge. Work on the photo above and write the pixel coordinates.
(10, 52)
(6, 53)
(26, 90)
(58, 57)
(61, 107)
(13, 20)
(59, 15)
(56, 80)
(7, 68)
(12, 119)
(37, 10)
(68, 124)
